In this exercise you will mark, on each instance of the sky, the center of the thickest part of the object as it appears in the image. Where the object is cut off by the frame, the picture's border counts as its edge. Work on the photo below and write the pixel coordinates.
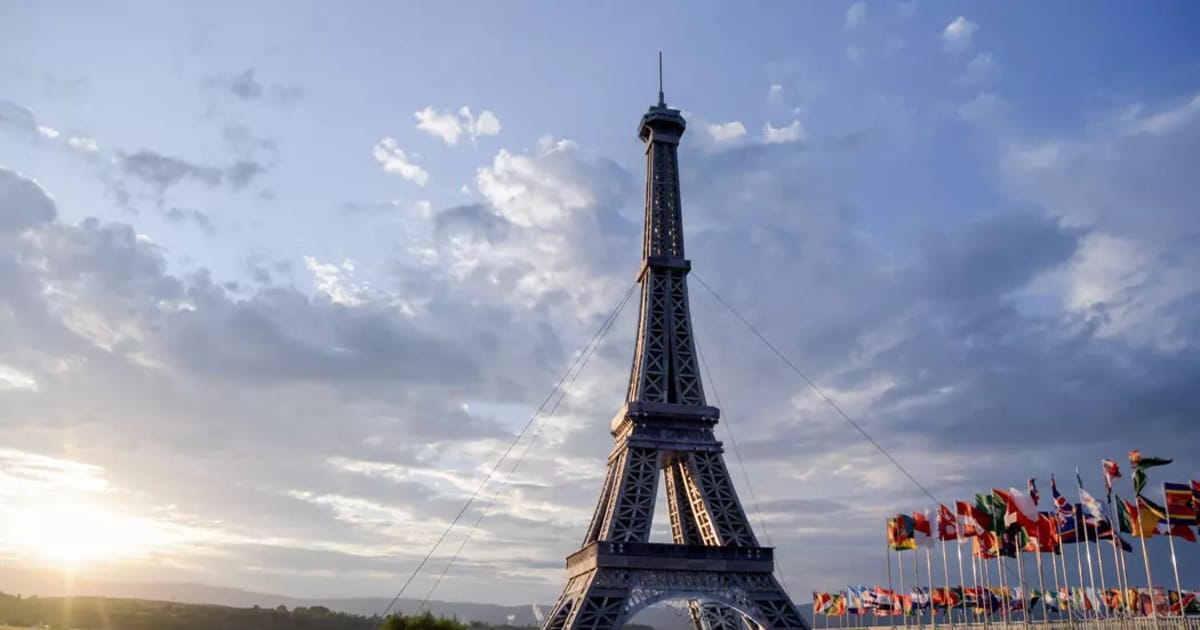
(280, 284)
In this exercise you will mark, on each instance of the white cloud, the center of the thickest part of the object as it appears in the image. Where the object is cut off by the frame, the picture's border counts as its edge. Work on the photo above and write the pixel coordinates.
(724, 132)
(336, 281)
(487, 124)
(791, 133)
(1172, 119)
(48, 131)
(981, 69)
(84, 144)
(958, 34)
(856, 14)
(395, 160)
(450, 127)
(775, 92)
(12, 378)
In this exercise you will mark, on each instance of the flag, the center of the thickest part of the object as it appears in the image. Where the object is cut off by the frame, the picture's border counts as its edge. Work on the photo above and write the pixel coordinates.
(1016, 602)
(1180, 602)
(1111, 471)
(821, 603)
(900, 533)
(1196, 497)
(1047, 534)
(1138, 520)
(1033, 491)
(975, 521)
(856, 599)
(1050, 597)
(883, 601)
(1065, 513)
(1191, 605)
(947, 525)
(922, 531)
(1180, 508)
(947, 598)
(1093, 509)
(920, 598)
(1016, 508)
(994, 509)
(837, 605)
(986, 545)
(1026, 507)
(1139, 465)
(1160, 515)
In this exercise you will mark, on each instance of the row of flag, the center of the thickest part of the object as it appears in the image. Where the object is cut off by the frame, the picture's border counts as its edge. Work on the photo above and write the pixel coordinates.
(880, 601)
(1003, 522)
(1007, 523)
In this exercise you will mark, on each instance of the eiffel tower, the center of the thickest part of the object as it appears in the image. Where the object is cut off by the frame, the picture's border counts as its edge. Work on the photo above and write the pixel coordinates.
(665, 426)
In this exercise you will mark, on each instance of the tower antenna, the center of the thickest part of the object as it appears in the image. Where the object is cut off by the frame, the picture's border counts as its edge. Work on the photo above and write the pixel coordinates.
(661, 101)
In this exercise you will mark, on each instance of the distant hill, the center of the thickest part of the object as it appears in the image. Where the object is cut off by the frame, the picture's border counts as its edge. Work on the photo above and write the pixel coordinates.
(46, 584)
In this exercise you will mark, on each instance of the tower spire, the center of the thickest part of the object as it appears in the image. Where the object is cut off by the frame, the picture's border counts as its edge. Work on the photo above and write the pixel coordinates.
(662, 102)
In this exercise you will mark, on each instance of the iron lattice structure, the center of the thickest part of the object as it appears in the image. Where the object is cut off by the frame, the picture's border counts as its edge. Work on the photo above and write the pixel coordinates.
(666, 428)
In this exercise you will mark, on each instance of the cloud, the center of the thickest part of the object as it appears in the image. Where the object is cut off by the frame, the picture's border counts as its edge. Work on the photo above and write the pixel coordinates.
(1053, 312)
(981, 69)
(241, 173)
(958, 34)
(855, 15)
(449, 127)
(246, 86)
(774, 93)
(23, 204)
(83, 143)
(395, 160)
(164, 171)
(793, 132)
(200, 219)
(727, 131)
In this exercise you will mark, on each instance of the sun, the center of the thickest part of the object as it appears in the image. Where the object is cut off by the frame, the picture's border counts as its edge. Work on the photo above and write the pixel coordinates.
(72, 534)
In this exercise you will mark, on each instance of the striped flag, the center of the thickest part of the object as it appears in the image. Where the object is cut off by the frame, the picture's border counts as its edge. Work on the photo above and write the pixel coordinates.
(1180, 508)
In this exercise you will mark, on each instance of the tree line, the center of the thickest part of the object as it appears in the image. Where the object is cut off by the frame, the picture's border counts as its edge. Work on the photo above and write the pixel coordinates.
(105, 613)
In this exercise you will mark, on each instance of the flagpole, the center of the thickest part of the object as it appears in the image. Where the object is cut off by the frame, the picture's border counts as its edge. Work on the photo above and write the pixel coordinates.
(975, 581)
(1145, 556)
(985, 588)
(929, 574)
(1081, 524)
(1116, 533)
(1174, 564)
(917, 585)
(1100, 568)
(1021, 585)
(946, 573)
(962, 578)
(903, 614)
(1042, 581)
(1057, 584)
(1003, 584)
(891, 588)
(1125, 576)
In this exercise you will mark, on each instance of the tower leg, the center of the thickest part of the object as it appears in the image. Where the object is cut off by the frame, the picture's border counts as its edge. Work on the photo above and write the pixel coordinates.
(607, 598)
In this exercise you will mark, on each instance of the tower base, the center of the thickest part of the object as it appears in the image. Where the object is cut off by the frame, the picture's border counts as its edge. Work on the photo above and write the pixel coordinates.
(728, 588)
